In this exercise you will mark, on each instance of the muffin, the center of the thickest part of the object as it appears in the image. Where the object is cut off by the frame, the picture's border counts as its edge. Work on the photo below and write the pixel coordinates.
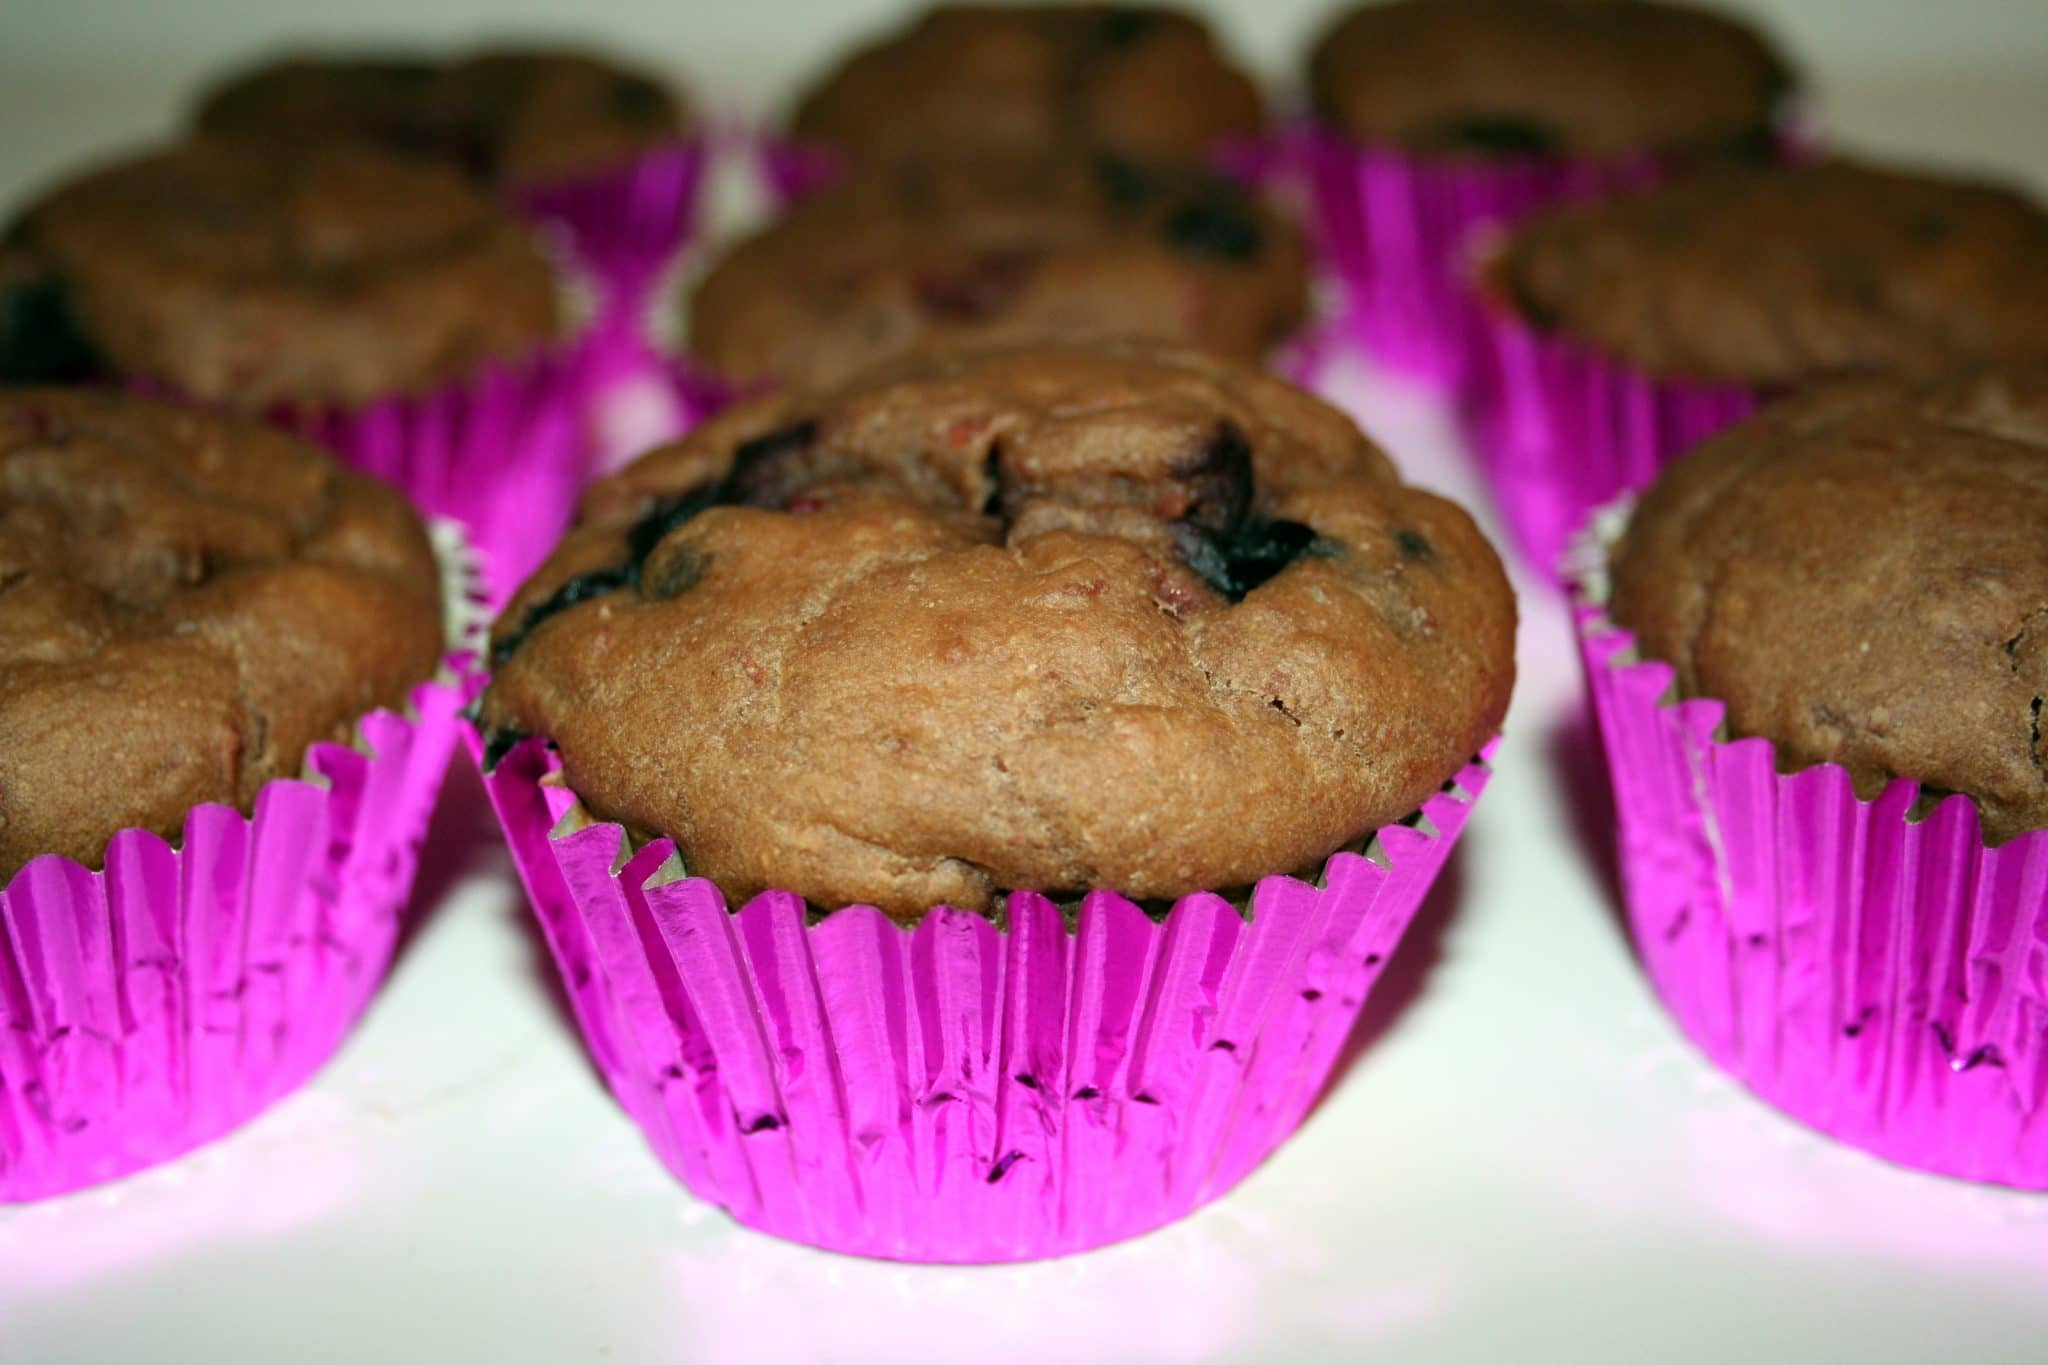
(507, 117)
(966, 632)
(1440, 119)
(998, 249)
(1626, 331)
(385, 306)
(221, 731)
(1839, 830)
(1143, 82)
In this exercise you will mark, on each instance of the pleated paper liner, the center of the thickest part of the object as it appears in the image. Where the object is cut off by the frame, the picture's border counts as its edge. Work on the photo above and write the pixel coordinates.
(153, 1006)
(1875, 976)
(966, 1090)
(1560, 430)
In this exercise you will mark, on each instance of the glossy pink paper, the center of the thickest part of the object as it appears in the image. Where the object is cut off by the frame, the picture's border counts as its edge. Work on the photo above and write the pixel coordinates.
(958, 1091)
(1560, 430)
(1882, 980)
(151, 1007)
(1399, 232)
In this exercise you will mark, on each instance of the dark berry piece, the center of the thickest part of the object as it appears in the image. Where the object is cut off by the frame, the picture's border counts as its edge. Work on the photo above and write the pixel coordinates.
(1126, 184)
(1217, 223)
(673, 574)
(1219, 481)
(1235, 564)
(768, 470)
(582, 588)
(977, 290)
(1414, 545)
(666, 515)
(1495, 135)
(40, 339)
(996, 504)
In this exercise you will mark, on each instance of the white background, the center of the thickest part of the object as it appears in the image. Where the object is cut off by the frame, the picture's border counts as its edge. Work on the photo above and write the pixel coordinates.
(1525, 1163)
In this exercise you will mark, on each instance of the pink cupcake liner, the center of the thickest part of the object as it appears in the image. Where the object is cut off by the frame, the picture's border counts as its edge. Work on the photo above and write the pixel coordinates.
(788, 169)
(1875, 977)
(1559, 430)
(151, 1007)
(1398, 232)
(959, 1091)
(624, 226)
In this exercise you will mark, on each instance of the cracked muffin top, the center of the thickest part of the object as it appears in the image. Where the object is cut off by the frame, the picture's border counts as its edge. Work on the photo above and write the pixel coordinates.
(1048, 617)
(187, 602)
(1572, 78)
(1774, 277)
(999, 250)
(1861, 575)
(506, 116)
(1141, 81)
(252, 276)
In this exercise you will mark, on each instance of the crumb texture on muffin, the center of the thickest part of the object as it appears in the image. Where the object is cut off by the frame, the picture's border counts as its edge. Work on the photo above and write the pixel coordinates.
(187, 602)
(1584, 78)
(1861, 575)
(251, 275)
(999, 249)
(1137, 80)
(1774, 277)
(1046, 617)
(510, 116)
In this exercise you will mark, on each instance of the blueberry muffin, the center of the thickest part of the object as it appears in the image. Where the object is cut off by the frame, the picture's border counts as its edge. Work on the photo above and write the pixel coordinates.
(1768, 278)
(253, 276)
(187, 603)
(1138, 81)
(1047, 617)
(513, 116)
(1861, 575)
(1589, 79)
(999, 249)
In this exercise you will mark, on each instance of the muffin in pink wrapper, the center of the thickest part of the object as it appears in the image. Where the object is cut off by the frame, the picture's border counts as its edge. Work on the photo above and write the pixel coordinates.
(1826, 741)
(1437, 123)
(1119, 704)
(382, 306)
(1620, 334)
(611, 156)
(217, 770)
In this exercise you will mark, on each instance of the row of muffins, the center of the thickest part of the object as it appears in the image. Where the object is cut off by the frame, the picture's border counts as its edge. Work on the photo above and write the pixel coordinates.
(1053, 603)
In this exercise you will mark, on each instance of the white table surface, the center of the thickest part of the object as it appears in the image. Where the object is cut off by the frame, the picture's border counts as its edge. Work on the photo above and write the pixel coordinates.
(1525, 1163)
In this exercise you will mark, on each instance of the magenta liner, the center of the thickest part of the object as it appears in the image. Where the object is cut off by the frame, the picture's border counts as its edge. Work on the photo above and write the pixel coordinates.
(1398, 231)
(624, 226)
(1560, 430)
(1874, 977)
(505, 453)
(788, 169)
(151, 1007)
(959, 1091)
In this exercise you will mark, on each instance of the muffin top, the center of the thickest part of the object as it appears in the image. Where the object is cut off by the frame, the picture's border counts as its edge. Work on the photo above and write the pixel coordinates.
(1141, 81)
(1772, 277)
(1045, 617)
(1861, 575)
(999, 249)
(1577, 78)
(237, 274)
(187, 602)
(511, 116)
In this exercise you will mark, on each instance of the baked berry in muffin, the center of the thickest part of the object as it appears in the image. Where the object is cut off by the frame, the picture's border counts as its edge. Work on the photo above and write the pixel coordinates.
(1769, 278)
(187, 602)
(252, 275)
(508, 116)
(1046, 617)
(1592, 79)
(1861, 576)
(1141, 81)
(1007, 249)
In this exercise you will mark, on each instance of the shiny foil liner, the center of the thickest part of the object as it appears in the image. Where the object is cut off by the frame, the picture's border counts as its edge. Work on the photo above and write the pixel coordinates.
(966, 1090)
(151, 1007)
(1398, 232)
(624, 226)
(1877, 977)
(1560, 430)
